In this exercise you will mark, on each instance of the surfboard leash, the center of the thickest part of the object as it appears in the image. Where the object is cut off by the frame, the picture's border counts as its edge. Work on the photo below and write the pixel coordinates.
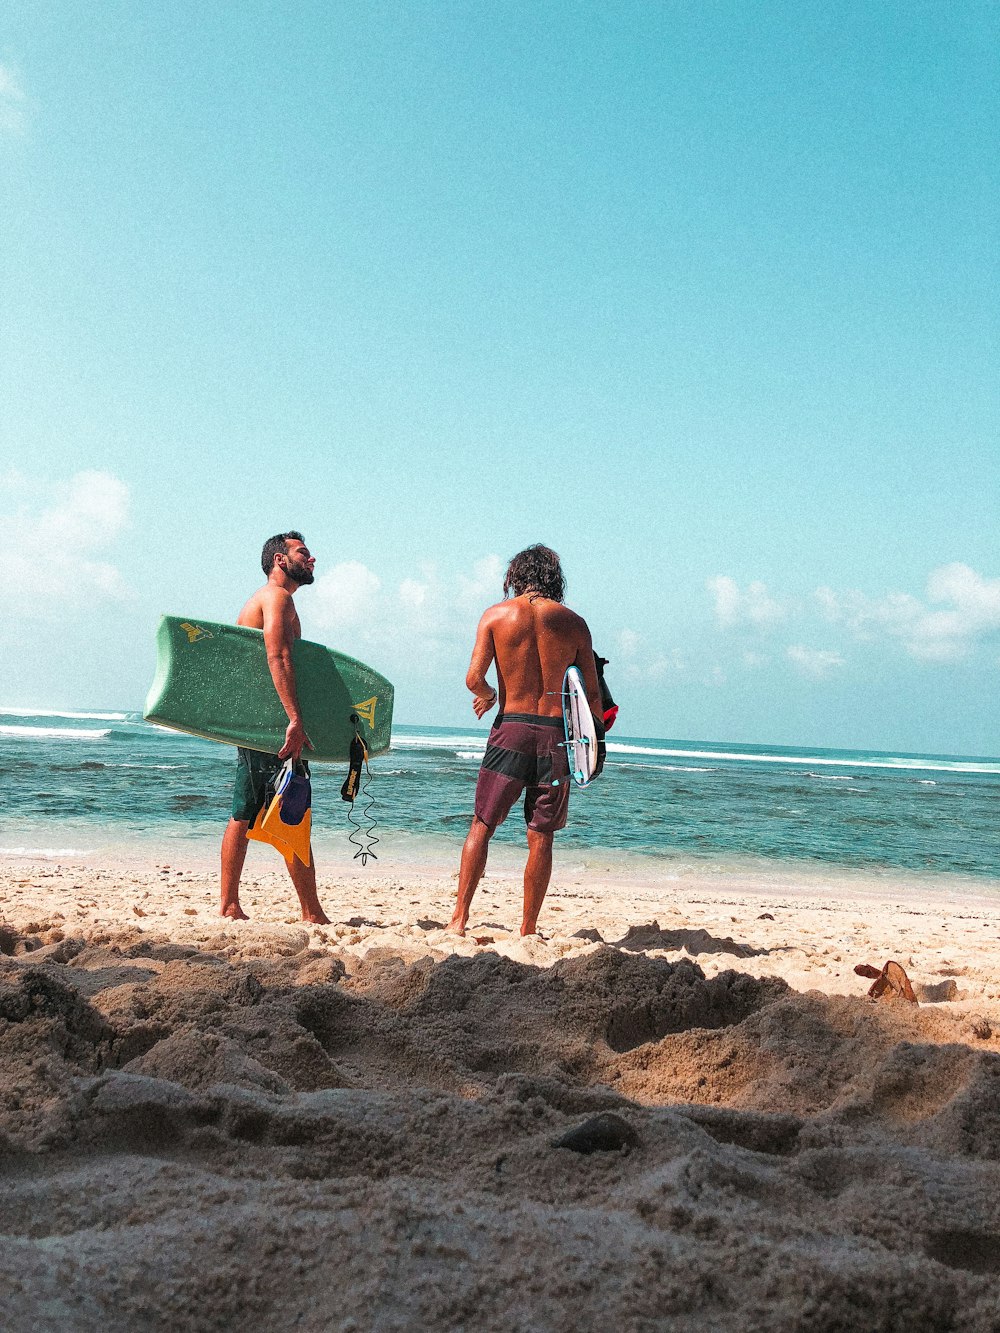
(359, 778)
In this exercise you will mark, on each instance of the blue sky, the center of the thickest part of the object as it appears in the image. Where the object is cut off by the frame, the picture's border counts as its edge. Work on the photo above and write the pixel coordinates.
(703, 295)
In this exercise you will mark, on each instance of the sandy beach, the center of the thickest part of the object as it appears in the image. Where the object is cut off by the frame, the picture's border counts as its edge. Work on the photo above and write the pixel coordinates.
(677, 1109)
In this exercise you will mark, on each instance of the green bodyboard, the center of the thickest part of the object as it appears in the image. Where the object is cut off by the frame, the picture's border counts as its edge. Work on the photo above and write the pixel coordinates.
(213, 680)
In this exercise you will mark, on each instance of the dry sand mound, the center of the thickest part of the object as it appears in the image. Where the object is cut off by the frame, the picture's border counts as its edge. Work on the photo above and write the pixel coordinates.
(266, 1134)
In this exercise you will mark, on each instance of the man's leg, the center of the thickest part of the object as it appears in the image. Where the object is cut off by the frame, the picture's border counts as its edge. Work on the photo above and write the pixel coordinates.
(474, 854)
(234, 853)
(304, 879)
(537, 873)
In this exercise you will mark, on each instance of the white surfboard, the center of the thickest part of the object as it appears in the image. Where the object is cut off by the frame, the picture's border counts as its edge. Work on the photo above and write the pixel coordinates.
(581, 734)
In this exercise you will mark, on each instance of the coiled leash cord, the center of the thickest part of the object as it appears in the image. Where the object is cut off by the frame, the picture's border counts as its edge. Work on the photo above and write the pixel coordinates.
(349, 791)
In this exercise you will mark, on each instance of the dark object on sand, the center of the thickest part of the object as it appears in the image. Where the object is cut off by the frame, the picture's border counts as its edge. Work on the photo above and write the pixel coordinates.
(936, 992)
(606, 1132)
(891, 983)
(607, 702)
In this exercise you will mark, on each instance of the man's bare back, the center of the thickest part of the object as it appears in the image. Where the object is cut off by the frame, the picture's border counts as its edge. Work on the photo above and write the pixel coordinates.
(533, 639)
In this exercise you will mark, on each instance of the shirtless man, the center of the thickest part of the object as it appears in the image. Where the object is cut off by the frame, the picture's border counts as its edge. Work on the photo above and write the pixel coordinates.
(288, 565)
(533, 638)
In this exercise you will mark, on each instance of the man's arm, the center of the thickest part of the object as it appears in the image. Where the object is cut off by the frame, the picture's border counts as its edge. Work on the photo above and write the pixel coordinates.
(483, 653)
(278, 639)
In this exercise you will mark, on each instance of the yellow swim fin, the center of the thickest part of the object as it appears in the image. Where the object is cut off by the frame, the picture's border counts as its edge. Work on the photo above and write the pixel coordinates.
(287, 822)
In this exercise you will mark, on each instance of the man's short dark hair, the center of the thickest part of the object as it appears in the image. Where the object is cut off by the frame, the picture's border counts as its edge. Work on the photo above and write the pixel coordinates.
(535, 569)
(277, 546)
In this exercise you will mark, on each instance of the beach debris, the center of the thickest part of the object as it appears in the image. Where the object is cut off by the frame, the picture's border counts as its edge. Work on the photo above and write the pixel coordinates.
(428, 923)
(764, 916)
(606, 1132)
(936, 992)
(484, 939)
(588, 933)
(137, 910)
(641, 939)
(891, 983)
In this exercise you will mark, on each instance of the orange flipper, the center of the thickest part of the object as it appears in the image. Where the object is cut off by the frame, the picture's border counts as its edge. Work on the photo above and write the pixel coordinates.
(287, 822)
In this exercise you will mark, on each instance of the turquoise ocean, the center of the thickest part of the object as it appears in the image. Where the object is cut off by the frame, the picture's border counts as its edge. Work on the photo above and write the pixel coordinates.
(89, 783)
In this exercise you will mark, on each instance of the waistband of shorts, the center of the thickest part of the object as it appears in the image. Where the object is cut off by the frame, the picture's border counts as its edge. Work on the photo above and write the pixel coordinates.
(531, 719)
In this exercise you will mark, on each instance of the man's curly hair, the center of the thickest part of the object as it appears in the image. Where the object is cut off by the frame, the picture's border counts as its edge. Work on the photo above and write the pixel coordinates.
(535, 569)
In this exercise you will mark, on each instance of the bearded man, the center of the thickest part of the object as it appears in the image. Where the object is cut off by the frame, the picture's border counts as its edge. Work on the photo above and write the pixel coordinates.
(287, 566)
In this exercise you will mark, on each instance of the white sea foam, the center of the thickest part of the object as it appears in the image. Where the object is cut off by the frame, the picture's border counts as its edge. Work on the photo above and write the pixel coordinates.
(55, 733)
(890, 761)
(146, 766)
(51, 712)
(659, 768)
(438, 742)
(46, 853)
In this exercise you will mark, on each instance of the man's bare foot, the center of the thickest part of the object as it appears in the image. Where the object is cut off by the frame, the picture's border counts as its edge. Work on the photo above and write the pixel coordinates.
(317, 918)
(456, 926)
(234, 911)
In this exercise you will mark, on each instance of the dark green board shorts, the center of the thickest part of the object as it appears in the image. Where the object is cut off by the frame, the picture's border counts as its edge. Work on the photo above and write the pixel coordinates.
(254, 785)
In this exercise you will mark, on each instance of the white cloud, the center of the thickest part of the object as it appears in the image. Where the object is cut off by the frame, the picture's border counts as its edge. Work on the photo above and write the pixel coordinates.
(755, 607)
(639, 665)
(962, 608)
(753, 660)
(13, 102)
(665, 664)
(816, 663)
(51, 534)
(484, 587)
(628, 642)
(345, 596)
(424, 624)
(413, 595)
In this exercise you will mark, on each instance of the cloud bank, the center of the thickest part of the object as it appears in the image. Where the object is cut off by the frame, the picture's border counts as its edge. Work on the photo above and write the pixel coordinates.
(56, 538)
(13, 103)
(424, 623)
(753, 607)
(961, 610)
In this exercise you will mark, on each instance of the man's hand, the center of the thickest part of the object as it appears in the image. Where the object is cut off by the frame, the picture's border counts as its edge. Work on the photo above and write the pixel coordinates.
(295, 740)
(482, 706)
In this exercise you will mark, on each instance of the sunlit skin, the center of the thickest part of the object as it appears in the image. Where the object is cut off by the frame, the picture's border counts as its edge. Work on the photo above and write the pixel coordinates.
(272, 610)
(532, 640)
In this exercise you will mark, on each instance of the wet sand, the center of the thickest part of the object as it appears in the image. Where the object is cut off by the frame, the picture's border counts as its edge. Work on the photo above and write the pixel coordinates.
(677, 1110)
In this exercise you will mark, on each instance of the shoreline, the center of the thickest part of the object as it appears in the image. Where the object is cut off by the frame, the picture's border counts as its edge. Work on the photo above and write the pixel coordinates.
(810, 931)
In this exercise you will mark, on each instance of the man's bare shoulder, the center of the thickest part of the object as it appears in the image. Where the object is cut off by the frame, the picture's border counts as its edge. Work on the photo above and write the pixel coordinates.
(495, 613)
(561, 618)
(266, 601)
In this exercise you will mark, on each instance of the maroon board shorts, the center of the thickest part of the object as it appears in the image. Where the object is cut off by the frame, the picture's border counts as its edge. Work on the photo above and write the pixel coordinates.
(525, 754)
